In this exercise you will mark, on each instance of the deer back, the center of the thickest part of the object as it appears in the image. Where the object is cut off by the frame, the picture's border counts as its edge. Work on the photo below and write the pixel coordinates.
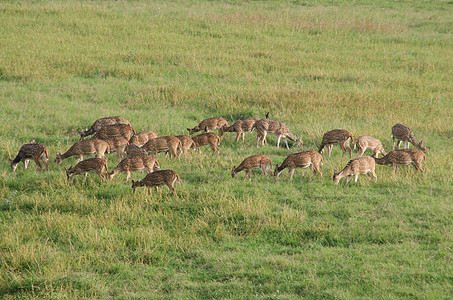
(161, 143)
(206, 139)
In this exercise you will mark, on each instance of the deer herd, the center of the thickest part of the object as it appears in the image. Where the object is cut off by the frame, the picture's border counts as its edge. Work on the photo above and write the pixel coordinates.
(136, 153)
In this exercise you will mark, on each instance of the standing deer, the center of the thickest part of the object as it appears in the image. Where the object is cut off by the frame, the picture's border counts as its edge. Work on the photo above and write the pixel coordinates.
(163, 144)
(355, 167)
(401, 133)
(240, 127)
(141, 138)
(403, 157)
(117, 144)
(88, 147)
(209, 124)
(205, 139)
(156, 179)
(267, 126)
(336, 136)
(186, 143)
(258, 161)
(363, 142)
(122, 130)
(135, 164)
(133, 150)
(98, 165)
(304, 159)
(33, 150)
(98, 124)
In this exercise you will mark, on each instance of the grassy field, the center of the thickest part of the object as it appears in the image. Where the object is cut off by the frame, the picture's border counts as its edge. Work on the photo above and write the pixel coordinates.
(166, 65)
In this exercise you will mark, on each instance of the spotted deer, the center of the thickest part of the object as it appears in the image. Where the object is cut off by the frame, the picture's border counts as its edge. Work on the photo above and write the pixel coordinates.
(401, 133)
(33, 151)
(135, 164)
(209, 124)
(206, 139)
(267, 126)
(186, 143)
(304, 159)
(141, 138)
(336, 136)
(364, 142)
(99, 123)
(156, 179)
(394, 158)
(240, 127)
(83, 148)
(133, 150)
(163, 144)
(258, 161)
(122, 130)
(98, 165)
(117, 144)
(355, 167)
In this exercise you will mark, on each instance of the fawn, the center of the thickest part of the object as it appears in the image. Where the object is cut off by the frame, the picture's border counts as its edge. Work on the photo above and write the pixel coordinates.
(267, 126)
(141, 138)
(33, 150)
(163, 144)
(355, 167)
(99, 123)
(404, 134)
(209, 124)
(336, 136)
(88, 147)
(117, 144)
(205, 139)
(135, 164)
(258, 161)
(304, 159)
(403, 157)
(98, 165)
(186, 143)
(364, 141)
(123, 130)
(156, 179)
(240, 127)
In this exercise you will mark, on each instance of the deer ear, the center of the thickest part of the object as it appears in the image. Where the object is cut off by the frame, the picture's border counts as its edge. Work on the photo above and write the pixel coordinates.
(335, 172)
(234, 167)
(188, 129)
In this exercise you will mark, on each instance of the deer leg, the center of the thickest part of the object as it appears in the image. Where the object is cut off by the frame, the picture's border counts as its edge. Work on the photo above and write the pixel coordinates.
(347, 179)
(374, 175)
(398, 144)
(291, 173)
(329, 148)
(25, 162)
(44, 160)
(318, 169)
(286, 142)
(263, 139)
(356, 177)
(361, 151)
(128, 175)
(238, 134)
(37, 163)
(243, 136)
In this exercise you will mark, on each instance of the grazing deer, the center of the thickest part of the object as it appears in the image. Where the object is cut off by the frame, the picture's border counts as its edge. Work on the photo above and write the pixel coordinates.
(133, 150)
(404, 134)
(98, 124)
(98, 165)
(403, 157)
(304, 159)
(156, 179)
(33, 150)
(364, 141)
(209, 124)
(163, 144)
(355, 167)
(267, 126)
(336, 136)
(186, 143)
(240, 127)
(141, 138)
(88, 147)
(135, 164)
(117, 144)
(122, 130)
(258, 161)
(205, 139)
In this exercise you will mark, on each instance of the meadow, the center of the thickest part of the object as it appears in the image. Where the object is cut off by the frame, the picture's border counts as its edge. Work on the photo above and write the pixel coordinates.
(166, 65)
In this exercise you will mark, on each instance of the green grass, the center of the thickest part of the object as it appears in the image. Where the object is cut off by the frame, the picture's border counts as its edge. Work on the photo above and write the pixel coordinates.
(166, 65)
